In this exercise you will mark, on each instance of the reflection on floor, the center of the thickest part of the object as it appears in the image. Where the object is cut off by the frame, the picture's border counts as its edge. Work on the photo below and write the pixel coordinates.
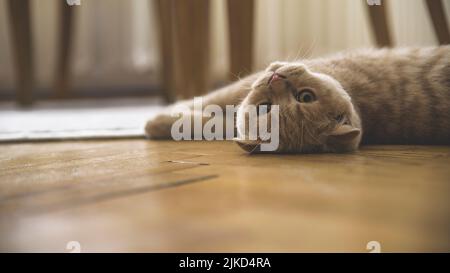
(77, 119)
(137, 195)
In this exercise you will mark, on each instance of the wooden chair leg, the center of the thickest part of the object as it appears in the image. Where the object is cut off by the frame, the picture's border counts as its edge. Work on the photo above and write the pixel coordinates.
(64, 51)
(240, 25)
(191, 47)
(21, 37)
(380, 27)
(436, 10)
(164, 10)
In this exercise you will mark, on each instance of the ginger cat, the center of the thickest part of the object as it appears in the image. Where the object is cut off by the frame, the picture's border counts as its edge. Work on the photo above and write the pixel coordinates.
(336, 103)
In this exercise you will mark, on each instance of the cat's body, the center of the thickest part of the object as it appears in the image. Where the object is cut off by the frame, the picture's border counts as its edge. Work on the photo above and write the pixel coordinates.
(398, 96)
(402, 96)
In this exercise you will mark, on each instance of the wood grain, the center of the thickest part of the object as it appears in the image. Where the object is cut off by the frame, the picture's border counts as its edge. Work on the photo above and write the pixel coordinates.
(191, 42)
(164, 9)
(436, 10)
(138, 195)
(241, 30)
(64, 61)
(378, 16)
(19, 12)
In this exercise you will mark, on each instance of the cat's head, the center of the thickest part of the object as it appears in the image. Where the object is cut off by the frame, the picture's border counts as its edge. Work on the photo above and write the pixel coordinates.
(315, 113)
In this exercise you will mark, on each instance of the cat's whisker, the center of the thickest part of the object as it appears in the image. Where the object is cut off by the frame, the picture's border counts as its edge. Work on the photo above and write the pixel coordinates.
(299, 51)
(236, 76)
(313, 124)
(312, 136)
(313, 47)
(302, 135)
(309, 50)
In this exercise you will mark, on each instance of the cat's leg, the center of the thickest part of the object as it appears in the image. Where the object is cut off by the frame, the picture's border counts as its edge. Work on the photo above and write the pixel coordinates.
(160, 126)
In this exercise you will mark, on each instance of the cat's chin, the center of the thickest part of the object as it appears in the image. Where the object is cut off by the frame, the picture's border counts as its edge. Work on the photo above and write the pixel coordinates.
(250, 146)
(254, 147)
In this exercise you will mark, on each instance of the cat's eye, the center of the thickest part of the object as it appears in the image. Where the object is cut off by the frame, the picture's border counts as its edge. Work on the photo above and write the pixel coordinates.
(267, 105)
(342, 118)
(339, 118)
(305, 96)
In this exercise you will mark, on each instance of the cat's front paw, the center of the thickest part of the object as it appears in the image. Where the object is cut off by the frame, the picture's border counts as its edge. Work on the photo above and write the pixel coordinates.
(159, 127)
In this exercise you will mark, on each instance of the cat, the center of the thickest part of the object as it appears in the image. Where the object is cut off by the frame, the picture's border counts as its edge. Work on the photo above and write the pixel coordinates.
(337, 103)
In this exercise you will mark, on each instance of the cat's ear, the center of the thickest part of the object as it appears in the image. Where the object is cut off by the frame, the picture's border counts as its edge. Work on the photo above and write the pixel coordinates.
(344, 138)
(250, 146)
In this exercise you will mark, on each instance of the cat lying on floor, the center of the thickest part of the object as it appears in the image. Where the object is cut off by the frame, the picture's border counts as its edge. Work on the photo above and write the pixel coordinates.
(333, 104)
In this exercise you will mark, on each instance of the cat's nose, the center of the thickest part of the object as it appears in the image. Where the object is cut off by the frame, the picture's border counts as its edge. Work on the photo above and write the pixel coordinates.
(275, 77)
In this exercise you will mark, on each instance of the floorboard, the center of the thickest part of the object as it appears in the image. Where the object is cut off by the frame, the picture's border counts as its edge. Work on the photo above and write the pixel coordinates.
(138, 195)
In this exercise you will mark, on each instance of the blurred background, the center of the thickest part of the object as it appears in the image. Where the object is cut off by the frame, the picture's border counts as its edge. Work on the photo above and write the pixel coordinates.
(104, 67)
(113, 47)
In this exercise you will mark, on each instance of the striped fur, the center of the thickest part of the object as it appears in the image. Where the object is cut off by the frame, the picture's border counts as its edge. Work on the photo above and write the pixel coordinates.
(402, 95)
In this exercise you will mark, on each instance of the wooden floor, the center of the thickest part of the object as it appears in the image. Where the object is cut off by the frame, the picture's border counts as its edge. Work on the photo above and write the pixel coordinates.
(138, 195)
